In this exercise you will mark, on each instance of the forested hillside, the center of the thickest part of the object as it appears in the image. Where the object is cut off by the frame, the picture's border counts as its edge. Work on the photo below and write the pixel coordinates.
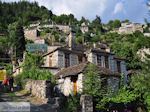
(15, 15)
(24, 11)
(28, 13)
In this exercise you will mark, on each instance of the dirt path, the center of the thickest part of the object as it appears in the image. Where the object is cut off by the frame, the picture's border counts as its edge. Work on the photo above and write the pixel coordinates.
(36, 104)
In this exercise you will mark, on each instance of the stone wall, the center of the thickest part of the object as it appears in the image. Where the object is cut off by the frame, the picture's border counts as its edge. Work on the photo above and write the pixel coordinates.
(86, 102)
(58, 59)
(92, 58)
(46, 61)
(113, 83)
(39, 88)
(128, 28)
(124, 71)
(31, 34)
(65, 85)
(80, 83)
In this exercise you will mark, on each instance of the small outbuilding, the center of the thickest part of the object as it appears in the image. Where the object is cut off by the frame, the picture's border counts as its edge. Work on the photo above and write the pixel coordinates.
(70, 80)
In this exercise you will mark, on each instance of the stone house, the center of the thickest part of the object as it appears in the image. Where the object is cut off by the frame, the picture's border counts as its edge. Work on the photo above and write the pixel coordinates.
(143, 53)
(106, 59)
(147, 34)
(128, 28)
(63, 57)
(31, 34)
(70, 80)
(64, 28)
(84, 28)
(72, 64)
(39, 40)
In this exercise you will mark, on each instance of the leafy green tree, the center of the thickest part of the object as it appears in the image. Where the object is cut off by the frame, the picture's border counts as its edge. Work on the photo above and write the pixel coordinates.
(110, 24)
(126, 21)
(27, 11)
(116, 23)
(141, 83)
(127, 46)
(92, 84)
(92, 81)
(31, 69)
(72, 20)
(123, 96)
(97, 20)
(97, 25)
(84, 20)
(79, 40)
(9, 69)
(32, 60)
(17, 39)
(4, 46)
(72, 104)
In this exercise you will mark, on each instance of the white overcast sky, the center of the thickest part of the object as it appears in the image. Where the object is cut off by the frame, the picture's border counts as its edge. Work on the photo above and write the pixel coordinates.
(134, 10)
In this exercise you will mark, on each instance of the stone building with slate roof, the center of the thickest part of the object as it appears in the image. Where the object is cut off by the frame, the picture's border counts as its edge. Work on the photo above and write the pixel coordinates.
(72, 63)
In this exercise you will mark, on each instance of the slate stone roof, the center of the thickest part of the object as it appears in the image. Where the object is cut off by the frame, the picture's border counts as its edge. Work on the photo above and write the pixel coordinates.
(81, 68)
(73, 70)
(64, 50)
(119, 58)
(96, 50)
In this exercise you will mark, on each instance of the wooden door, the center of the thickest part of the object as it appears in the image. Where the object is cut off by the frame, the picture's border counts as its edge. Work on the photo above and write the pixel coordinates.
(74, 80)
(75, 88)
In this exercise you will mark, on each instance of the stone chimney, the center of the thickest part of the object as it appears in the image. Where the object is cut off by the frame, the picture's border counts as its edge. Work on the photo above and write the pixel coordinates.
(71, 40)
(94, 45)
(108, 50)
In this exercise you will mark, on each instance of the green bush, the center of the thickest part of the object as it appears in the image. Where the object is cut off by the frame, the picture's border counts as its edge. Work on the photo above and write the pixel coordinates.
(72, 104)
(19, 81)
(31, 70)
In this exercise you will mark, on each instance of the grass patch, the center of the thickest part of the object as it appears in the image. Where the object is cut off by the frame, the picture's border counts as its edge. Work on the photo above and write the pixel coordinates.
(11, 94)
(22, 92)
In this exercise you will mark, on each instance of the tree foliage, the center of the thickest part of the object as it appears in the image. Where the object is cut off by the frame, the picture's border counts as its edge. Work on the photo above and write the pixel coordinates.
(24, 10)
(92, 81)
(127, 46)
(141, 83)
(4, 47)
(17, 39)
(114, 24)
(31, 68)
(72, 104)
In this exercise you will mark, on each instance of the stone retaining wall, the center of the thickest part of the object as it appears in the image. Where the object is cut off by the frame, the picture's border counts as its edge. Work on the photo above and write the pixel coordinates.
(39, 88)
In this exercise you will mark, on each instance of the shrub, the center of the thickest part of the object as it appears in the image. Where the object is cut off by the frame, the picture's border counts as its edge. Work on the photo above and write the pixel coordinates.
(31, 70)
(72, 104)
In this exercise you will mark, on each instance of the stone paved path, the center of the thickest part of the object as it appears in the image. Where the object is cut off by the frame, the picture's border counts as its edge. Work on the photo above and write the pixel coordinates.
(36, 104)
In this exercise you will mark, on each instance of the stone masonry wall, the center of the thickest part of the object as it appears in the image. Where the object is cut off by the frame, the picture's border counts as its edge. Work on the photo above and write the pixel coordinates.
(31, 34)
(92, 58)
(39, 88)
(113, 83)
(124, 71)
(86, 102)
